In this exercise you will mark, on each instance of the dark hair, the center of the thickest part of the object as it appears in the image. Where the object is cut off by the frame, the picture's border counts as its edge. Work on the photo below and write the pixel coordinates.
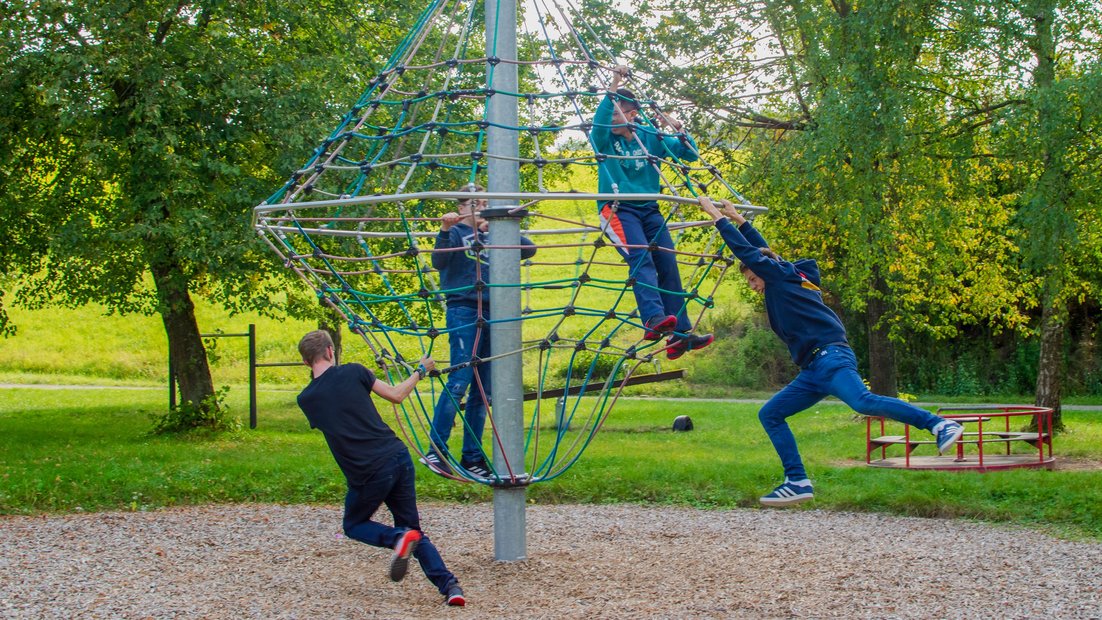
(626, 98)
(766, 252)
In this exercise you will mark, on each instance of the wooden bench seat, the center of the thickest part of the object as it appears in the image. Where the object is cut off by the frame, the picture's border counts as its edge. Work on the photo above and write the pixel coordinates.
(988, 437)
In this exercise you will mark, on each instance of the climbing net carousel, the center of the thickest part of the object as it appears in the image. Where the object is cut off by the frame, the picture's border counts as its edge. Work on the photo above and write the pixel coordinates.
(358, 221)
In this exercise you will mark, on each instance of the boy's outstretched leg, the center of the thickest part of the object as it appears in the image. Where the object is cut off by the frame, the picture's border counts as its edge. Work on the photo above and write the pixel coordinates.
(797, 396)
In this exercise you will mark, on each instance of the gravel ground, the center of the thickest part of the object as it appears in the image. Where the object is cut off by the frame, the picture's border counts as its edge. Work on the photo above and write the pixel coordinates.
(263, 561)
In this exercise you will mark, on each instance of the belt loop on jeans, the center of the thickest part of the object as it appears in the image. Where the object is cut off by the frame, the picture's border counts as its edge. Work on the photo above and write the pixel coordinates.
(817, 350)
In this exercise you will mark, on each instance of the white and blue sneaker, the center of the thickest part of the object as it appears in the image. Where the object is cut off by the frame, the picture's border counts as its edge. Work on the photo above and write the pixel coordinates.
(791, 492)
(948, 433)
(436, 463)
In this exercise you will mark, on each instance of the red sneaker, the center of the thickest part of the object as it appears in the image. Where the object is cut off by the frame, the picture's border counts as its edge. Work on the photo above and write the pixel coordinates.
(402, 550)
(454, 597)
(658, 326)
(680, 345)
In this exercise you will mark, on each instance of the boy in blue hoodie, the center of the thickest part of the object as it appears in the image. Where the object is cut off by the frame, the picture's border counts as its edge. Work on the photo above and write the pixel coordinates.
(463, 264)
(629, 157)
(817, 342)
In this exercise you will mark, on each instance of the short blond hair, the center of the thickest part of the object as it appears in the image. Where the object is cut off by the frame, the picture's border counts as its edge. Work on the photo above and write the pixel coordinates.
(313, 345)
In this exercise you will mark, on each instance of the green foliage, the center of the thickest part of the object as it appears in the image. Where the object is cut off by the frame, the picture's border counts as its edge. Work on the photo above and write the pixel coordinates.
(587, 365)
(210, 415)
(947, 172)
(138, 137)
(745, 355)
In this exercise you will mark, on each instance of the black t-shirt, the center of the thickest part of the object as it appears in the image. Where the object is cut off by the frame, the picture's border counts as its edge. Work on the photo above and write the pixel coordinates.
(338, 403)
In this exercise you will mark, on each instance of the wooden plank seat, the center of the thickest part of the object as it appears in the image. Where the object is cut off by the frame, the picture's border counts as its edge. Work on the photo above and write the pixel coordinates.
(988, 437)
(1026, 436)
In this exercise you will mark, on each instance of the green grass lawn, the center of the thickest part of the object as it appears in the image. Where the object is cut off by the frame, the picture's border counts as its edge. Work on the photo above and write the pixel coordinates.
(89, 450)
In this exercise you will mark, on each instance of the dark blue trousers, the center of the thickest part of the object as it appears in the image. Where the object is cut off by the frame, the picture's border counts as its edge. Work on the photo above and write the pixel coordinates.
(393, 486)
(833, 372)
(658, 290)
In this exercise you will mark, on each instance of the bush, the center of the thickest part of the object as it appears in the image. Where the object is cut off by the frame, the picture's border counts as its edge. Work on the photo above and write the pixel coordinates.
(602, 366)
(212, 414)
(753, 360)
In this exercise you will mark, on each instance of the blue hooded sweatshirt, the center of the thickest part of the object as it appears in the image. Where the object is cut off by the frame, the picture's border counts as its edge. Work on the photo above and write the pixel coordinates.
(793, 300)
(629, 170)
(460, 270)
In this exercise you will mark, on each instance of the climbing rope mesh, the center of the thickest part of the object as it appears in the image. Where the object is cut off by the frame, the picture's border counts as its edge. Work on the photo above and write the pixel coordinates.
(358, 223)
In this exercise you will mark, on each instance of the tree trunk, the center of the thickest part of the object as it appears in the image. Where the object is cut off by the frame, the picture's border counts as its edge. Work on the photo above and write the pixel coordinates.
(334, 328)
(1050, 224)
(1050, 370)
(185, 346)
(883, 377)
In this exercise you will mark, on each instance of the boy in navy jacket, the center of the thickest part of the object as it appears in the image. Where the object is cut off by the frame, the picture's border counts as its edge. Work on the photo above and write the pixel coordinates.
(817, 343)
(463, 265)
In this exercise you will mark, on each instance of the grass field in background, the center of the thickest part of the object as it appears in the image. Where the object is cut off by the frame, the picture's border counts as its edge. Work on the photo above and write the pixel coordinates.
(82, 345)
(86, 346)
(89, 450)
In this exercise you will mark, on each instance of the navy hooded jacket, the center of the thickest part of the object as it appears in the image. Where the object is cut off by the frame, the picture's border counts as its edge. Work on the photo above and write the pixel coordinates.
(460, 270)
(793, 300)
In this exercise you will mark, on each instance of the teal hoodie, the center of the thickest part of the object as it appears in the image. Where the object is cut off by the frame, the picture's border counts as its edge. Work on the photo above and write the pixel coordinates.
(633, 174)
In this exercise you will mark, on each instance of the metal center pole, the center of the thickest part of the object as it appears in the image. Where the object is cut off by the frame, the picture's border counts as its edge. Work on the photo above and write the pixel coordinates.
(506, 373)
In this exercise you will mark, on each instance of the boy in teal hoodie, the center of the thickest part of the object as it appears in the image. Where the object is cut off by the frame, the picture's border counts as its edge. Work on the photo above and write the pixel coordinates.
(628, 161)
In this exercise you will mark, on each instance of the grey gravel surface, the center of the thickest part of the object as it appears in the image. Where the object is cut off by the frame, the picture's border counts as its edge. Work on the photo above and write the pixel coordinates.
(265, 561)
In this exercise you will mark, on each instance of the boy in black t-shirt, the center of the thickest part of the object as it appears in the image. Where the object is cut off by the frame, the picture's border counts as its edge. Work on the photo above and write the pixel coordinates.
(375, 463)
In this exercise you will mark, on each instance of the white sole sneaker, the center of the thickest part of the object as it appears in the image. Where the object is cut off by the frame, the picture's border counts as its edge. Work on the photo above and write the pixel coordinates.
(788, 494)
(787, 501)
(957, 432)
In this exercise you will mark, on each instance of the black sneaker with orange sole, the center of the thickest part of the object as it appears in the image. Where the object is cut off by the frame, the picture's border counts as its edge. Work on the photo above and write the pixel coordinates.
(403, 549)
(659, 326)
(680, 345)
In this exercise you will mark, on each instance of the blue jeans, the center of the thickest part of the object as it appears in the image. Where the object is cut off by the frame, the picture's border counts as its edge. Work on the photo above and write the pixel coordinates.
(462, 333)
(657, 287)
(393, 486)
(833, 372)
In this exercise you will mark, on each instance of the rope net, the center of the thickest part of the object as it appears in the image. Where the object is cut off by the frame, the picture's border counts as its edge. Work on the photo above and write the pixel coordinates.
(358, 221)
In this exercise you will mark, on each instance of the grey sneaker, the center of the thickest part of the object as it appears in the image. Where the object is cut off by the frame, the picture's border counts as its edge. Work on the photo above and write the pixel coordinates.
(478, 468)
(436, 463)
(455, 597)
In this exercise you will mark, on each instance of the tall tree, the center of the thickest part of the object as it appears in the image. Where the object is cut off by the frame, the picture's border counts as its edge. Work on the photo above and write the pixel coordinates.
(867, 133)
(1056, 45)
(137, 136)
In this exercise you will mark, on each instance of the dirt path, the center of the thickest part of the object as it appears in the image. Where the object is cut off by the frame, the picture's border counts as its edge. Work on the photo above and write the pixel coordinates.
(262, 561)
